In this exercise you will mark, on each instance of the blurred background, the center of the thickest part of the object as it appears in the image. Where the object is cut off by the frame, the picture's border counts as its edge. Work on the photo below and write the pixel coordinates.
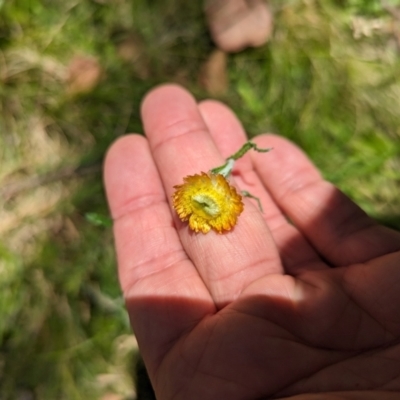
(72, 76)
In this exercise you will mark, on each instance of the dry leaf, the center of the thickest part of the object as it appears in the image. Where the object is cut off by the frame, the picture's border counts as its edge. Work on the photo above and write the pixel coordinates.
(84, 74)
(213, 75)
(131, 50)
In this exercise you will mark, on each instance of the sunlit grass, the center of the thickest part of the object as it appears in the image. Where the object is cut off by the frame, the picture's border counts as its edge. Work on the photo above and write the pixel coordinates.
(328, 80)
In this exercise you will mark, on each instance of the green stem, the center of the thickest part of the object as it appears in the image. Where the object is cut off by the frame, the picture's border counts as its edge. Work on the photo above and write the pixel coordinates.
(245, 193)
(226, 168)
(246, 147)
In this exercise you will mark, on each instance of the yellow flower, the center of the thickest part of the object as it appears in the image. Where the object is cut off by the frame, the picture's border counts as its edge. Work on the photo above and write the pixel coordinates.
(208, 201)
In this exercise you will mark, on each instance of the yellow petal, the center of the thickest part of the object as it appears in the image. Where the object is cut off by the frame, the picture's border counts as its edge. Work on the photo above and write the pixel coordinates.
(207, 201)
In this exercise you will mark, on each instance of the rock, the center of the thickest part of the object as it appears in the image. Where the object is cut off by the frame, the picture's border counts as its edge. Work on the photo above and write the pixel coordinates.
(237, 24)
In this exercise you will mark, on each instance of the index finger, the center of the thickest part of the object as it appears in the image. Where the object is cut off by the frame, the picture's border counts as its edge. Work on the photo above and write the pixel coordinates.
(154, 271)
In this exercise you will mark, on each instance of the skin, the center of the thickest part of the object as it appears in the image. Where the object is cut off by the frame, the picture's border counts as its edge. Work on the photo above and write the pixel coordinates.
(272, 309)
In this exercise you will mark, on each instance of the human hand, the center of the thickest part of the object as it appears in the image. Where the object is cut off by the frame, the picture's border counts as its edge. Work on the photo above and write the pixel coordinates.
(271, 309)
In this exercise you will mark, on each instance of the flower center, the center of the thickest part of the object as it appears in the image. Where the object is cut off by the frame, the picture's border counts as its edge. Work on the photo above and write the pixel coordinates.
(205, 205)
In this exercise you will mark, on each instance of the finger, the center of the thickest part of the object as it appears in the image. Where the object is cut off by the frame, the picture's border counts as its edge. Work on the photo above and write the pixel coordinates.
(151, 261)
(338, 229)
(182, 145)
(228, 134)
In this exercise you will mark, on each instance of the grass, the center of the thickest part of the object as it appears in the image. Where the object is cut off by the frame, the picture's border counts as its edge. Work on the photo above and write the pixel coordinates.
(328, 80)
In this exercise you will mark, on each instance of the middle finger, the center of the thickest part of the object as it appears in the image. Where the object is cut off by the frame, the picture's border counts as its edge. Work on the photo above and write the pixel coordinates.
(181, 146)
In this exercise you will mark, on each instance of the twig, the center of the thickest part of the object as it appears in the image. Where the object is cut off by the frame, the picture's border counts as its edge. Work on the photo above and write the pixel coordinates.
(13, 189)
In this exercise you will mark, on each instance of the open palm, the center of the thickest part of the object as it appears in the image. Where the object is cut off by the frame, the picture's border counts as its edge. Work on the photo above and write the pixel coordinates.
(272, 309)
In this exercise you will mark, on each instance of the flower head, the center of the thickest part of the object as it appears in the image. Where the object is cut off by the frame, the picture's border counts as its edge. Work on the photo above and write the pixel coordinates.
(207, 201)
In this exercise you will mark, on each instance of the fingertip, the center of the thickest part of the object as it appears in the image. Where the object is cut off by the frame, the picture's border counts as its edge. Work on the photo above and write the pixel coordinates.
(224, 126)
(211, 104)
(126, 156)
(156, 90)
(118, 151)
(168, 94)
(120, 146)
(221, 116)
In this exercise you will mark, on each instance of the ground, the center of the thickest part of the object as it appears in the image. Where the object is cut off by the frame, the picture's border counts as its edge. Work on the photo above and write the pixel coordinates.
(73, 73)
